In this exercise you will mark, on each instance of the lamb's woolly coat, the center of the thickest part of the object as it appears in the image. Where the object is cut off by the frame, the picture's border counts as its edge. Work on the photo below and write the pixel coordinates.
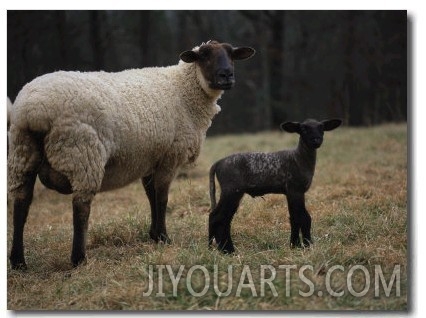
(96, 125)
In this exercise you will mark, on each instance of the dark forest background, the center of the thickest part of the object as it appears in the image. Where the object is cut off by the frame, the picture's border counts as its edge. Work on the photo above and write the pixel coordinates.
(347, 64)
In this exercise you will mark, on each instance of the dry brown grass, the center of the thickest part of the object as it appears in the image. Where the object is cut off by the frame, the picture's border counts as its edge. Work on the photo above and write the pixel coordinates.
(358, 202)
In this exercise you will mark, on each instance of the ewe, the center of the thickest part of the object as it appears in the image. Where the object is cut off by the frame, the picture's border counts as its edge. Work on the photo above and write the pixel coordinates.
(83, 133)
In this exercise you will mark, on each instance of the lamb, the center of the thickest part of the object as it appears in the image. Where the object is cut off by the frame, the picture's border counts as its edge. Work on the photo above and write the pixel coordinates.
(287, 172)
(86, 132)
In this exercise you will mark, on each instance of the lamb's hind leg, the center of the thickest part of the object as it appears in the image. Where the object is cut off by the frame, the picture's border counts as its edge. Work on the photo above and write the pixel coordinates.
(306, 229)
(23, 161)
(220, 221)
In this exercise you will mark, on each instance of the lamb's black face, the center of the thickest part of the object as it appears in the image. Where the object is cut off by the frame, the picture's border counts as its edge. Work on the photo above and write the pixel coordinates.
(311, 131)
(312, 134)
(216, 62)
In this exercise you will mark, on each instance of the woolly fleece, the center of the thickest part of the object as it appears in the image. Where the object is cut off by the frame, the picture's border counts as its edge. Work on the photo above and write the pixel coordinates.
(104, 130)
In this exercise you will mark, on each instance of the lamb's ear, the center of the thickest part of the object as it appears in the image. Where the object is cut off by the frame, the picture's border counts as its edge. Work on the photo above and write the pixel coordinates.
(291, 127)
(189, 56)
(331, 124)
(242, 53)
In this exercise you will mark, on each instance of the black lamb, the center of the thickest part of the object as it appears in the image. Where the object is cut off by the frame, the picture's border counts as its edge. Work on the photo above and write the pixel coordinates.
(288, 172)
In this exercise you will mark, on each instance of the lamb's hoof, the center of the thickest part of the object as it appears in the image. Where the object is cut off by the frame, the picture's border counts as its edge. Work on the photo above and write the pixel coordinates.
(307, 243)
(226, 249)
(294, 245)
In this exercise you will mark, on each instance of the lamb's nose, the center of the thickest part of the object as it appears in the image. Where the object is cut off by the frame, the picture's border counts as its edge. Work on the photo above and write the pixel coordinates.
(317, 141)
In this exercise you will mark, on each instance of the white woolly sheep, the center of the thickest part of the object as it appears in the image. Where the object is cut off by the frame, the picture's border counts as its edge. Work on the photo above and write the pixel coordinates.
(83, 133)
(288, 172)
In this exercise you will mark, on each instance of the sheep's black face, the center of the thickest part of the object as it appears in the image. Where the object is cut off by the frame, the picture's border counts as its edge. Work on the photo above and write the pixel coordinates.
(311, 131)
(216, 62)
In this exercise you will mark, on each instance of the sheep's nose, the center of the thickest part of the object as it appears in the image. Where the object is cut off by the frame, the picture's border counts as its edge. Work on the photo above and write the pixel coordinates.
(224, 78)
(225, 74)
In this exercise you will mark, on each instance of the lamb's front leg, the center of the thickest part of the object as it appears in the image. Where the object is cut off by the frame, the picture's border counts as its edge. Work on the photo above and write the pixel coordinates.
(306, 229)
(300, 220)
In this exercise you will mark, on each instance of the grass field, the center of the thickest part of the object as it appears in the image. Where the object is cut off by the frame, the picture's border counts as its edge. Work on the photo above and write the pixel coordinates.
(358, 203)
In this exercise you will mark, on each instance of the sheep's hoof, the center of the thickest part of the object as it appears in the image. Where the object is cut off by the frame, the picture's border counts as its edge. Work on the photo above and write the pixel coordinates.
(165, 239)
(160, 238)
(78, 260)
(21, 266)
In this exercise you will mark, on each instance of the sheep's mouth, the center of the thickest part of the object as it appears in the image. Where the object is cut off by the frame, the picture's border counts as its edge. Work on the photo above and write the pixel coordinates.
(222, 86)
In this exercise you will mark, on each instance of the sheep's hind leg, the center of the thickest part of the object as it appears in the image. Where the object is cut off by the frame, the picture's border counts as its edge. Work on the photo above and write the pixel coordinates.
(81, 212)
(23, 161)
(220, 222)
(21, 207)
(78, 155)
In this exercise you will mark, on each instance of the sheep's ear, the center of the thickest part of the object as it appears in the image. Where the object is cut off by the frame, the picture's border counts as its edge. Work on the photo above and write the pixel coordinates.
(242, 53)
(331, 124)
(291, 127)
(189, 56)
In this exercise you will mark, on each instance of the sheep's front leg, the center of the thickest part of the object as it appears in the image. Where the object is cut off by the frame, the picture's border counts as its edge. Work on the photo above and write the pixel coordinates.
(81, 212)
(21, 206)
(300, 220)
(160, 192)
(148, 184)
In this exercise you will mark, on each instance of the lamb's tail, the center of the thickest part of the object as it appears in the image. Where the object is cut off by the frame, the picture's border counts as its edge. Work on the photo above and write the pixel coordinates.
(213, 187)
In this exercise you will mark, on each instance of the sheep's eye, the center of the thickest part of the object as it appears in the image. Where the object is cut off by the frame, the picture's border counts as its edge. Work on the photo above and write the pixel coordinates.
(204, 54)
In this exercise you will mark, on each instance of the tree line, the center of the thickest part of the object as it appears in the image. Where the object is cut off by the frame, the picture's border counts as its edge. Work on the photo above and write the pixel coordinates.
(319, 64)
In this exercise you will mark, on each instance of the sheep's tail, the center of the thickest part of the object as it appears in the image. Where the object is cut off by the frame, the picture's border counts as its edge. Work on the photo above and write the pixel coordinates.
(213, 187)
(9, 111)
